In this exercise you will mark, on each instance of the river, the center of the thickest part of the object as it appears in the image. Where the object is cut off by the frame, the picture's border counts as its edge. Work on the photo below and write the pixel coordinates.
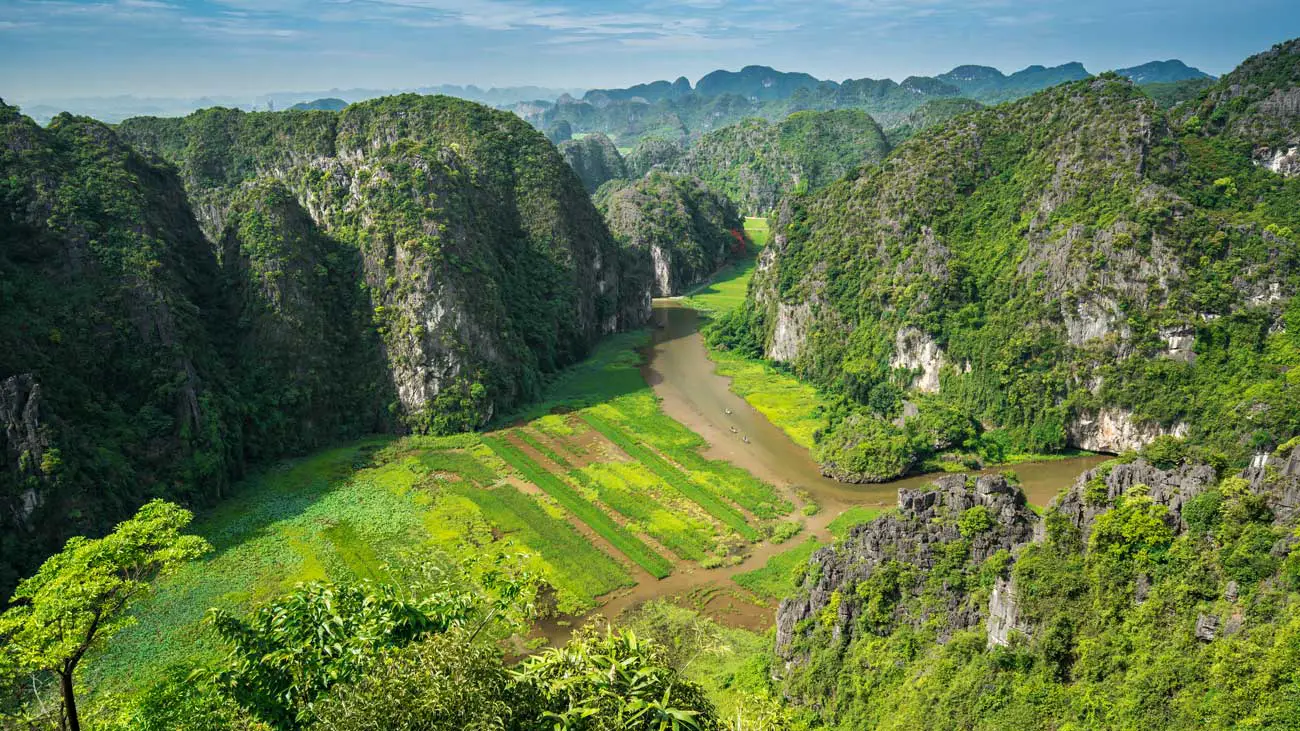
(680, 372)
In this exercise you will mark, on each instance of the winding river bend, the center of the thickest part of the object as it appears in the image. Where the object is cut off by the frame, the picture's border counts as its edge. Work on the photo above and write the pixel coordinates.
(680, 372)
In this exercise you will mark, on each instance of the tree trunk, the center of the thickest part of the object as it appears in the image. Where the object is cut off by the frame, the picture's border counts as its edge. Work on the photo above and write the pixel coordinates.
(69, 702)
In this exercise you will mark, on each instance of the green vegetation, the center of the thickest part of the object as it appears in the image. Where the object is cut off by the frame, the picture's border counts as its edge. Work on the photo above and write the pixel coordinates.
(1143, 625)
(679, 230)
(284, 282)
(597, 520)
(757, 163)
(1006, 327)
(856, 515)
(353, 656)
(78, 599)
(782, 573)
(594, 158)
(698, 494)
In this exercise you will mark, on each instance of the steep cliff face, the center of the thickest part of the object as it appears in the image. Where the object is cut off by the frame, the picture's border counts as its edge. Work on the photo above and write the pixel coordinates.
(1057, 270)
(872, 581)
(1259, 104)
(595, 159)
(485, 262)
(111, 388)
(307, 277)
(920, 617)
(757, 163)
(673, 227)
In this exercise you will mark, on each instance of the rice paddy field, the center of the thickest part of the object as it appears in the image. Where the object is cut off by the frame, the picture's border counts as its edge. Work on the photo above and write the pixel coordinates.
(593, 491)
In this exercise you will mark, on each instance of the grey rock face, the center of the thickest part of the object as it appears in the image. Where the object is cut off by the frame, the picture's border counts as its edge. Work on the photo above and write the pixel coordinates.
(1207, 627)
(22, 441)
(1171, 488)
(1278, 479)
(915, 536)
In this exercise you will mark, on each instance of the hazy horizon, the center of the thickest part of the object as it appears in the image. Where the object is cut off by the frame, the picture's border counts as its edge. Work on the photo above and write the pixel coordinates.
(63, 49)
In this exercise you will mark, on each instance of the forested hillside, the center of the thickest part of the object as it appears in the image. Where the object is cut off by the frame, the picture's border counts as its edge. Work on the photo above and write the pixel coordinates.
(411, 262)
(1074, 269)
(757, 163)
(1158, 596)
(675, 225)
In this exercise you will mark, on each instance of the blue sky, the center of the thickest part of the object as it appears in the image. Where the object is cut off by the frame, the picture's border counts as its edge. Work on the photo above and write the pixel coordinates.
(60, 48)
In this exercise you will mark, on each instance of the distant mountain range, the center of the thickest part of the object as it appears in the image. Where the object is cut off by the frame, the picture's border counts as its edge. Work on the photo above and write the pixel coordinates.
(677, 111)
(114, 109)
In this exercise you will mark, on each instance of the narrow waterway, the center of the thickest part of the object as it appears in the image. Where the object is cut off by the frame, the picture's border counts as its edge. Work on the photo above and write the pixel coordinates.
(679, 370)
(682, 375)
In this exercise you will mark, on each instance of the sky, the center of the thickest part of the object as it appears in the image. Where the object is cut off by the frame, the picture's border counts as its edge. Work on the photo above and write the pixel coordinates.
(52, 49)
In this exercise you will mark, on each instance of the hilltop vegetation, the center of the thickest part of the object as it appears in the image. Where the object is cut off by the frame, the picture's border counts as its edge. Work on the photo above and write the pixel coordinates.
(756, 163)
(1161, 597)
(675, 225)
(997, 286)
(282, 282)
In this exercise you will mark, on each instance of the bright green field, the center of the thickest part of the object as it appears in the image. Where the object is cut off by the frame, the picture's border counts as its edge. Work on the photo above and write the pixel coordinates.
(728, 287)
(383, 506)
(777, 577)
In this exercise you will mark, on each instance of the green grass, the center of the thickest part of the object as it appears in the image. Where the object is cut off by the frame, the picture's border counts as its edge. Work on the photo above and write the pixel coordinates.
(461, 464)
(336, 516)
(572, 555)
(625, 487)
(778, 576)
(851, 517)
(701, 496)
(727, 289)
(542, 449)
(631, 546)
(797, 408)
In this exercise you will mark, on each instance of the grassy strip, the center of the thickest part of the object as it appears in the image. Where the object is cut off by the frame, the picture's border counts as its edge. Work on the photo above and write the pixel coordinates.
(855, 515)
(779, 575)
(542, 449)
(668, 473)
(630, 545)
(459, 463)
(573, 557)
(687, 541)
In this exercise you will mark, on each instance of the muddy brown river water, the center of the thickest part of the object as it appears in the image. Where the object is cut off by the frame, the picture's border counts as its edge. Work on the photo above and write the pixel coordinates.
(680, 372)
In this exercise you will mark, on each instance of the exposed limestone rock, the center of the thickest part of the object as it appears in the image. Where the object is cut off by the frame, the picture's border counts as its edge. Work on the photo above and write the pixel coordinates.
(789, 331)
(1115, 431)
(22, 441)
(916, 351)
(1277, 477)
(1179, 342)
(1207, 627)
(1284, 162)
(1171, 488)
(1091, 319)
(1004, 613)
(916, 537)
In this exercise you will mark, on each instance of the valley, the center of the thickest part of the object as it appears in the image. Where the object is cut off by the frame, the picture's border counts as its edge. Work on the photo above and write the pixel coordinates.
(764, 403)
(640, 476)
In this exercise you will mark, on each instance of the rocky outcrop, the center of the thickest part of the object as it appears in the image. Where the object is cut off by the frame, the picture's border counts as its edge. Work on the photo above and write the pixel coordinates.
(1277, 477)
(1115, 431)
(1004, 613)
(484, 261)
(916, 351)
(899, 549)
(1284, 162)
(1180, 343)
(23, 442)
(673, 226)
(595, 159)
(1095, 491)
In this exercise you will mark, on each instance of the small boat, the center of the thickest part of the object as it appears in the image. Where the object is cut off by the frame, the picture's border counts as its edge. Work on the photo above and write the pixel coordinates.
(727, 412)
(745, 440)
(734, 430)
